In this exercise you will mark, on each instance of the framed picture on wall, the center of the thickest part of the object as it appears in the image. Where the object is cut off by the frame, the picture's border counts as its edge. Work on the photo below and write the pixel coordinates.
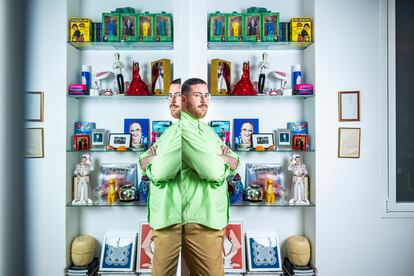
(348, 106)
(118, 252)
(233, 249)
(349, 140)
(34, 143)
(34, 106)
(263, 252)
(262, 139)
(145, 248)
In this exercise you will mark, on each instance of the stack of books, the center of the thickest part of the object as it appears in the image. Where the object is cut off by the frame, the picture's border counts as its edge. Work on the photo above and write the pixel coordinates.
(296, 270)
(119, 273)
(264, 273)
(87, 270)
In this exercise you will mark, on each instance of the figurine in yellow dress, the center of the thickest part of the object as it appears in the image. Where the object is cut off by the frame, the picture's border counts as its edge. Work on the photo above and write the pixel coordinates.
(145, 27)
(235, 25)
(270, 194)
(111, 197)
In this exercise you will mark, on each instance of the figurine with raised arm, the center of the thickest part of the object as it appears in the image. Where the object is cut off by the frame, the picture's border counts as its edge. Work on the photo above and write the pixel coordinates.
(263, 65)
(81, 182)
(298, 182)
(118, 65)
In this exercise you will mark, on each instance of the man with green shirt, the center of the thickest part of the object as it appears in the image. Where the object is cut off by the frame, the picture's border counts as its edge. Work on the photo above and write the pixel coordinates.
(206, 163)
(162, 164)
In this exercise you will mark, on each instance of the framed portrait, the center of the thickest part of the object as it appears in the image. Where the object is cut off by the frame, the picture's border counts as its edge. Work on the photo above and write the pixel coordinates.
(99, 138)
(158, 129)
(34, 106)
(263, 252)
(160, 76)
(145, 248)
(222, 129)
(123, 174)
(243, 130)
(81, 142)
(283, 138)
(349, 140)
(300, 142)
(118, 252)
(117, 140)
(233, 249)
(220, 77)
(260, 173)
(139, 130)
(348, 106)
(262, 139)
(34, 143)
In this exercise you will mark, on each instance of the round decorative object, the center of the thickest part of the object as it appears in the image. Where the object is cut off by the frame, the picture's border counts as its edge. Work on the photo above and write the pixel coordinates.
(127, 193)
(253, 193)
(298, 249)
(83, 250)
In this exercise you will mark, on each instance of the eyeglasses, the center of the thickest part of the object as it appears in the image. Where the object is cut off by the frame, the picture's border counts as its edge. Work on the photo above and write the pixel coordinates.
(199, 95)
(175, 96)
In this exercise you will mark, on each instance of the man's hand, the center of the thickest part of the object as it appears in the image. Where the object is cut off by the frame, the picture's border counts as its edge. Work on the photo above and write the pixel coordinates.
(232, 162)
(152, 151)
(224, 150)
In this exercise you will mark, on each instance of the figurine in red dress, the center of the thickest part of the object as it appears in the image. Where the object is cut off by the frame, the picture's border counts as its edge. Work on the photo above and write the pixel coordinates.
(137, 86)
(244, 86)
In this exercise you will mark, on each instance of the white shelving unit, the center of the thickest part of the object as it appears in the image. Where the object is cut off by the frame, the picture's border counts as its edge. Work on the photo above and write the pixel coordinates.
(190, 55)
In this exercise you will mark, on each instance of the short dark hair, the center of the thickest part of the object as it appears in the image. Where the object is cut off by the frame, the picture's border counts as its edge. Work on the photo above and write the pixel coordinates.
(186, 87)
(176, 81)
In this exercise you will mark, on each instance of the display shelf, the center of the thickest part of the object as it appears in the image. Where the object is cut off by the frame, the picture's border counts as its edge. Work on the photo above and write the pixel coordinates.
(103, 150)
(104, 204)
(114, 98)
(289, 45)
(265, 204)
(264, 97)
(122, 45)
(277, 150)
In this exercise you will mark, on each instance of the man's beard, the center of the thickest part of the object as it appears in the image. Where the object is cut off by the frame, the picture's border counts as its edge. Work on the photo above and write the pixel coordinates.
(196, 112)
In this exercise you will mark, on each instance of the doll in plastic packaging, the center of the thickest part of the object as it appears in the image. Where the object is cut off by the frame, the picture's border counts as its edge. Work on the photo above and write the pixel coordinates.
(81, 182)
(298, 182)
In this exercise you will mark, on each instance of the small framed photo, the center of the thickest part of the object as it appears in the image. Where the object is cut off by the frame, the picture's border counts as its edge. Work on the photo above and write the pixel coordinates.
(262, 139)
(81, 142)
(233, 249)
(243, 130)
(158, 129)
(283, 138)
(222, 129)
(263, 252)
(118, 252)
(117, 140)
(139, 130)
(34, 143)
(348, 106)
(349, 140)
(34, 106)
(99, 138)
(300, 142)
(145, 248)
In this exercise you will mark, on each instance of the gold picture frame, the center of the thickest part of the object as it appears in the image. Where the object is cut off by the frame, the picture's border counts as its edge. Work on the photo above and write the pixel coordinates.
(349, 142)
(34, 106)
(348, 106)
(34, 146)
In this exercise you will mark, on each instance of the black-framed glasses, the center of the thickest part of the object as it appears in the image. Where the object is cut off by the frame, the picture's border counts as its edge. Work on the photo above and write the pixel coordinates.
(199, 95)
(175, 96)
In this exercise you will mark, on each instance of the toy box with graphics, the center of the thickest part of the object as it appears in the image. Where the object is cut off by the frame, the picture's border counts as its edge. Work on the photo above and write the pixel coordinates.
(234, 27)
(80, 29)
(252, 23)
(110, 26)
(146, 30)
(301, 29)
(163, 27)
(220, 77)
(128, 24)
(270, 26)
(160, 76)
(217, 30)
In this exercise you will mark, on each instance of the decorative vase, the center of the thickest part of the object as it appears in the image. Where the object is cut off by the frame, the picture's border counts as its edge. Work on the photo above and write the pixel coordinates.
(127, 193)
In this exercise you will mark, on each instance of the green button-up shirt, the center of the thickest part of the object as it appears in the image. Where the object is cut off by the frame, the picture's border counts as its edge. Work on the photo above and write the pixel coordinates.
(164, 199)
(203, 184)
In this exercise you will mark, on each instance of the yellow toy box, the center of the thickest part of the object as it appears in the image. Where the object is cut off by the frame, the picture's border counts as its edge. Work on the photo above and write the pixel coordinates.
(80, 29)
(301, 29)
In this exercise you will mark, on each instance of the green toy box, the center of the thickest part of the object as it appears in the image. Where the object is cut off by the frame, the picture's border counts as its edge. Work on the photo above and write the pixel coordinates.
(234, 27)
(128, 26)
(110, 27)
(270, 26)
(163, 26)
(146, 29)
(252, 26)
(217, 27)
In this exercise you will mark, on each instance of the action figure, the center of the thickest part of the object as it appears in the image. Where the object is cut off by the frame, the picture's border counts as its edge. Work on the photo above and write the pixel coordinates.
(218, 27)
(145, 27)
(263, 65)
(221, 81)
(118, 65)
(81, 182)
(298, 182)
(270, 27)
(235, 26)
(270, 194)
(111, 196)
(163, 27)
(112, 28)
(129, 26)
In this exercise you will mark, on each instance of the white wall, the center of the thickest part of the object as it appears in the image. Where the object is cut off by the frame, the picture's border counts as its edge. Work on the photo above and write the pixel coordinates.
(352, 238)
(46, 46)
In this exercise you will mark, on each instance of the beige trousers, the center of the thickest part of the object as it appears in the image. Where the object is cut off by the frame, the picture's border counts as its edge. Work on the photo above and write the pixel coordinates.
(202, 250)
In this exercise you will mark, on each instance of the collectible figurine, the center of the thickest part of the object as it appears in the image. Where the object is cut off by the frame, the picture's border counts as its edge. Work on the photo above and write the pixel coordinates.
(81, 182)
(282, 77)
(218, 24)
(244, 86)
(111, 196)
(145, 27)
(298, 182)
(137, 86)
(263, 65)
(163, 27)
(270, 194)
(118, 65)
(220, 77)
(159, 81)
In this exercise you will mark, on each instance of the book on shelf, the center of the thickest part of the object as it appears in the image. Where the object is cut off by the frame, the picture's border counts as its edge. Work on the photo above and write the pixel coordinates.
(296, 270)
(117, 273)
(87, 270)
(264, 273)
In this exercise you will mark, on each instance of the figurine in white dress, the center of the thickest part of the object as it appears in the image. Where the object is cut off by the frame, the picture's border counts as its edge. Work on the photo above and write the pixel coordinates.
(298, 182)
(159, 84)
(81, 187)
(222, 85)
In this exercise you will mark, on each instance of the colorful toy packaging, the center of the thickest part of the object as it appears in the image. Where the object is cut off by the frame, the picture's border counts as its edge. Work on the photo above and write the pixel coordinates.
(80, 29)
(234, 27)
(301, 29)
(217, 27)
(252, 25)
(110, 26)
(129, 23)
(270, 26)
(146, 30)
(163, 26)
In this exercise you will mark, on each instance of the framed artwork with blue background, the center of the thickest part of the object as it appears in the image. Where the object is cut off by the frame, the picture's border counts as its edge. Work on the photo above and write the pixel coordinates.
(243, 130)
(158, 129)
(222, 129)
(139, 130)
(263, 252)
(118, 252)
